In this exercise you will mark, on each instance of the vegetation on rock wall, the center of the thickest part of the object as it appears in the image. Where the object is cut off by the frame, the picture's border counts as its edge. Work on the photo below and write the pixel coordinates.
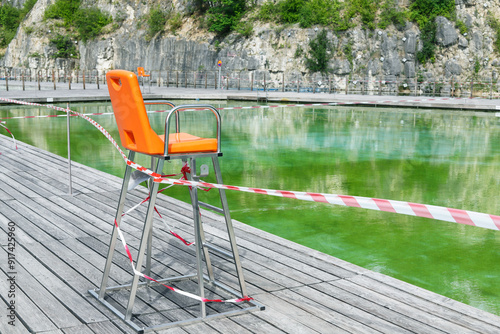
(86, 21)
(156, 21)
(223, 16)
(391, 13)
(424, 13)
(494, 23)
(10, 18)
(73, 21)
(64, 46)
(320, 53)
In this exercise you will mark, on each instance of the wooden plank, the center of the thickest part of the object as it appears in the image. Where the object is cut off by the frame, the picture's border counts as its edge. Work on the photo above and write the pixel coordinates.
(20, 235)
(81, 277)
(447, 308)
(73, 300)
(81, 329)
(24, 208)
(249, 322)
(32, 160)
(389, 309)
(50, 306)
(23, 185)
(28, 314)
(24, 227)
(286, 321)
(227, 325)
(350, 310)
(16, 327)
(278, 308)
(65, 218)
(110, 327)
(292, 298)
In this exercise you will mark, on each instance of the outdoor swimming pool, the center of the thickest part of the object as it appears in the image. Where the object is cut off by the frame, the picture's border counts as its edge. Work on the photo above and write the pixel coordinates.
(445, 158)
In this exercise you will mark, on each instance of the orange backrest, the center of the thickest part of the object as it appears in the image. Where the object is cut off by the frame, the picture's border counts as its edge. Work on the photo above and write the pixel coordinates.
(141, 72)
(132, 120)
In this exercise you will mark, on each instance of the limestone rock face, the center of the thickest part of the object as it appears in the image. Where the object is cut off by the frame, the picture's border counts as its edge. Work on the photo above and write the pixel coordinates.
(446, 33)
(275, 51)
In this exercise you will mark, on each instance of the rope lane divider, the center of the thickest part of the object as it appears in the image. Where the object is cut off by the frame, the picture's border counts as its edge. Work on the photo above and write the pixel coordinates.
(299, 105)
(458, 216)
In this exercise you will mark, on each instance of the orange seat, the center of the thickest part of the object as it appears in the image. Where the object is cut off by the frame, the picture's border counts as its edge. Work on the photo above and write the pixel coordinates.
(186, 143)
(132, 120)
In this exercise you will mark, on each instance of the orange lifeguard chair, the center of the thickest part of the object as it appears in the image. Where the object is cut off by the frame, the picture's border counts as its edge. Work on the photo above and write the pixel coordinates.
(142, 74)
(137, 136)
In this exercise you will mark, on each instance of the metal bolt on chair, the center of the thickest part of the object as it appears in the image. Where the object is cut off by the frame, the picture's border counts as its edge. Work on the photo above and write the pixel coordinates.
(137, 136)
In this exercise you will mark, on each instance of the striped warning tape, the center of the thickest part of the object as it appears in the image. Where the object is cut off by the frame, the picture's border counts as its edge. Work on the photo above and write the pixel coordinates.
(413, 209)
(9, 132)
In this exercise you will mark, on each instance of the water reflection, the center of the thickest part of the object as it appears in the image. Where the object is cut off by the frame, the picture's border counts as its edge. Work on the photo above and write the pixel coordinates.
(425, 156)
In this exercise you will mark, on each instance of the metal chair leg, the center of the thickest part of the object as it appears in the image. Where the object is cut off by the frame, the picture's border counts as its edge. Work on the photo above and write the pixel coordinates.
(147, 271)
(206, 255)
(144, 240)
(230, 230)
(118, 218)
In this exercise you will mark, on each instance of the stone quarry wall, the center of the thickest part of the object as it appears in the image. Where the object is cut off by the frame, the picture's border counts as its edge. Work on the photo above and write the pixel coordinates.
(381, 55)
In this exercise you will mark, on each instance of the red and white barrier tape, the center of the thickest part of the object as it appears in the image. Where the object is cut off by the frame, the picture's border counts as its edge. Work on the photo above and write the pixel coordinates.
(11, 134)
(413, 209)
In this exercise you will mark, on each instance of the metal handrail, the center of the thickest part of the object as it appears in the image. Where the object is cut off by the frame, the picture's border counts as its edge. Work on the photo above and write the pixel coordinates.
(177, 123)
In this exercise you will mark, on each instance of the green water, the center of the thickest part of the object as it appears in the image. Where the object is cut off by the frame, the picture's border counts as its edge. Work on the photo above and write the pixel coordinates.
(445, 158)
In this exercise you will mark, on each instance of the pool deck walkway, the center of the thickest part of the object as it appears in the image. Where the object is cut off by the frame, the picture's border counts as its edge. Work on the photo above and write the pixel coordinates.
(91, 93)
(61, 243)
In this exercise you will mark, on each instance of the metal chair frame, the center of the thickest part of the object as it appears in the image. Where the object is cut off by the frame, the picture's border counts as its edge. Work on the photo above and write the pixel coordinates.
(201, 247)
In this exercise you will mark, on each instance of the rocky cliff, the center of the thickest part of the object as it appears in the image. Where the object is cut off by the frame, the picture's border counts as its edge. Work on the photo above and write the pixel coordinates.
(388, 54)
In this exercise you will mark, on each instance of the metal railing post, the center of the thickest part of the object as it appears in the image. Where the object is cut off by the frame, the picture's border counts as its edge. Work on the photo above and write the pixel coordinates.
(69, 148)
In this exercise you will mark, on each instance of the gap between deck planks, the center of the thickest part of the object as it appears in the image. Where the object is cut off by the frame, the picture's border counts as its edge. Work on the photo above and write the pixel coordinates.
(62, 243)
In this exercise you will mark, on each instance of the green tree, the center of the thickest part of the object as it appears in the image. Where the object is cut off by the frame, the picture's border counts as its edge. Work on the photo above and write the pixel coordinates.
(89, 22)
(62, 9)
(428, 37)
(224, 15)
(157, 19)
(322, 12)
(9, 22)
(422, 11)
(320, 50)
(391, 13)
(65, 47)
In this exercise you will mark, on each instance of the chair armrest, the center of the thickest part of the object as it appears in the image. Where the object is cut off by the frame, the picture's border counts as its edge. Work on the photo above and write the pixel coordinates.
(177, 124)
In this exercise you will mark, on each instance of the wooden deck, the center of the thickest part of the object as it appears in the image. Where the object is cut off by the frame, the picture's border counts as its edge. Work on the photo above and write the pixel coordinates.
(61, 242)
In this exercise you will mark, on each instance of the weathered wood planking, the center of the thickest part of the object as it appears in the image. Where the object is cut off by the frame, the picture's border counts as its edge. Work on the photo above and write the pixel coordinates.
(62, 243)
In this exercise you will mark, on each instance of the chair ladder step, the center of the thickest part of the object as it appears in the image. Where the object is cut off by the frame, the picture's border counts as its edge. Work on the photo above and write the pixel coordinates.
(211, 207)
(219, 251)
